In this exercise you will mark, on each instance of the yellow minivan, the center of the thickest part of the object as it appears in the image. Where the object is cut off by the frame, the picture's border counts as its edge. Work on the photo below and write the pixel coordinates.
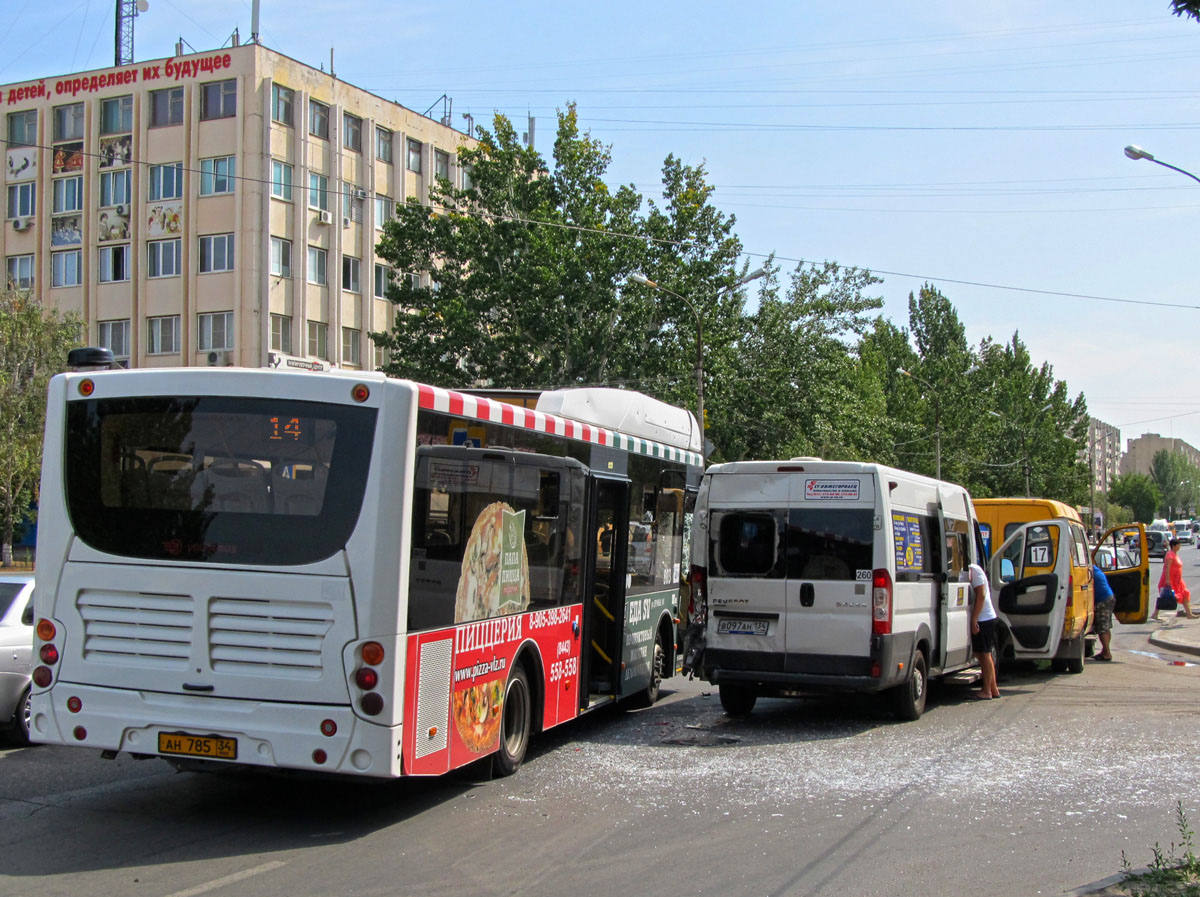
(998, 519)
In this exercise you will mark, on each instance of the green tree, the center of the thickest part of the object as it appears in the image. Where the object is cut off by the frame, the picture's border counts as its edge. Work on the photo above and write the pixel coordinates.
(1137, 492)
(33, 347)
(1189, 8)
(1177, 480)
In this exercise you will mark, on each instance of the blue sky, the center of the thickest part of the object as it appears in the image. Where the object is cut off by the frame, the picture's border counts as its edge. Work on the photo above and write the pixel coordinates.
(976, 146)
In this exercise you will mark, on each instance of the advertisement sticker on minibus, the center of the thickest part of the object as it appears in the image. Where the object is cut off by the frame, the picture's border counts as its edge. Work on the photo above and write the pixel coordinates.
(830, 490)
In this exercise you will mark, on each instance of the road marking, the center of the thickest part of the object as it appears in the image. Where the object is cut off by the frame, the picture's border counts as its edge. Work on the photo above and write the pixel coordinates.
(228, 879)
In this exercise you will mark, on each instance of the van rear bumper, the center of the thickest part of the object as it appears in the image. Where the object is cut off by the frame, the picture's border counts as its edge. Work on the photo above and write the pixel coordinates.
(783, 671)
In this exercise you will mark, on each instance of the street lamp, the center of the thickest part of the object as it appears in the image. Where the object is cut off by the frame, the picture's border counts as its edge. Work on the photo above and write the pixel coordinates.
(1025, 444)
(647, 282)
(1136, 152)
(937, 418)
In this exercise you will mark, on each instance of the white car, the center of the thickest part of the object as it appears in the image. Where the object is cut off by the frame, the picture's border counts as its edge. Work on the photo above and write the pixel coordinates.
(1105, 560)
(16, 650)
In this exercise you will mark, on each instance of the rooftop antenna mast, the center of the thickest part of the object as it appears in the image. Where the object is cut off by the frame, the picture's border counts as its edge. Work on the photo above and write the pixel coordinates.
(127, 11)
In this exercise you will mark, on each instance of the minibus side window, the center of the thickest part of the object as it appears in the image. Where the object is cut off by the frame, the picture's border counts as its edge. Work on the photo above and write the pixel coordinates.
(746, 544)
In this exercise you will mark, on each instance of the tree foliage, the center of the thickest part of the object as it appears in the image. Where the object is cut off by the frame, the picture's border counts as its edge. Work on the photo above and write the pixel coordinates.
(1177, 480)
(1137, 492)
(33, 347)
(1188, 8)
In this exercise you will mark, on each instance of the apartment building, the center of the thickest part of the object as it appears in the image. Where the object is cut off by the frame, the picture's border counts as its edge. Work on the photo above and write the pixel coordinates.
(214, 208)
(1140, 452)
(1103, 453)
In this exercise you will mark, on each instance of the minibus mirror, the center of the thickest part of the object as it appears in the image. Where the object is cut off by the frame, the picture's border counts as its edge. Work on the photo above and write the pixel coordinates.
(1007, 571)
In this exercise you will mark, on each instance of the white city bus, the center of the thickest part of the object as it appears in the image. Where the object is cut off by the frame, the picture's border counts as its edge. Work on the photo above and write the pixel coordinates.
(348, 573)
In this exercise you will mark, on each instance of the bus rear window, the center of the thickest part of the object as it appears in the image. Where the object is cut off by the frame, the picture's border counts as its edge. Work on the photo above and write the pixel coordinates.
(218, 479)
(830, 543)
(747, 543)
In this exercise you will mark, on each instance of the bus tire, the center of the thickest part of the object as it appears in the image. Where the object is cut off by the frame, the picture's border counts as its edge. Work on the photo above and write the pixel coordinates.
(21, 718)
(516, 724)
(738, 700)
(649, 695)
(1075, 660)
(908, 698)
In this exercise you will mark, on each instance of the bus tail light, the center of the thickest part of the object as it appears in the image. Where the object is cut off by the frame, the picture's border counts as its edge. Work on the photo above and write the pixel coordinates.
(881, 602)
(328, 728)
(48, 655)
(46, 630)
(372, 703)
(42, 677)
(366, 678)
(698, 578)
(372, 653)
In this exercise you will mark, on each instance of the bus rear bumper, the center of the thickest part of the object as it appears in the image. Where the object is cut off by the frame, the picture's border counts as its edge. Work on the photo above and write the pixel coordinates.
(257, 733)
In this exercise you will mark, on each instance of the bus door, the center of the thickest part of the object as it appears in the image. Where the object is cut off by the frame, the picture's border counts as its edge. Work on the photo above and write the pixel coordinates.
(954, 591)
(1030, 572)
(604, 610)
(1127, 570)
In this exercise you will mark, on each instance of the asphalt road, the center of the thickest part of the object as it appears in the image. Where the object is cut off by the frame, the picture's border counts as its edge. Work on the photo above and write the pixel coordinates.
(1036, 793)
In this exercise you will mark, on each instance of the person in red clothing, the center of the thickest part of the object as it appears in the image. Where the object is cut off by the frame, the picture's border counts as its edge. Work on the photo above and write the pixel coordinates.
(1172, 575)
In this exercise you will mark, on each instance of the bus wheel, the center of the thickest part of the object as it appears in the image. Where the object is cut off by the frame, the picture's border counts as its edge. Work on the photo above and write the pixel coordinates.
(650, 695)
(908, 698)
(1075, 660)
(738, 700)
(515, 724)
(21, 719)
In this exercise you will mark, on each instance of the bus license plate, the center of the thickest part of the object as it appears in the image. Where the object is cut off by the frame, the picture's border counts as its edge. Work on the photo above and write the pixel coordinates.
(212, 747)
(743, 627)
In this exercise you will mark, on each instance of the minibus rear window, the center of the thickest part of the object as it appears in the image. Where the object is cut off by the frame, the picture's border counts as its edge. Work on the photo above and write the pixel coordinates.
(829, 544)
(747, 544)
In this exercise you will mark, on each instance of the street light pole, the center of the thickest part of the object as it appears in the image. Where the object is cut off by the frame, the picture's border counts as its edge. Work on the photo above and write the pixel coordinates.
(647, 282)
(1136, 152)
(937, 419)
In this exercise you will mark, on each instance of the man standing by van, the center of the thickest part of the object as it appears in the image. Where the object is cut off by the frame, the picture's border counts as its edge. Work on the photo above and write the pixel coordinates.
(983, 632)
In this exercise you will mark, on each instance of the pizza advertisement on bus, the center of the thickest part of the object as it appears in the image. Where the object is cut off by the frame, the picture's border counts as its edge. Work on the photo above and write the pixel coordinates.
(494, 579)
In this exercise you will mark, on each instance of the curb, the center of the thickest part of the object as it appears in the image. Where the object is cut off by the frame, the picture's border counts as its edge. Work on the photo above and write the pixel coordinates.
(1100, 885)
(1162, 640)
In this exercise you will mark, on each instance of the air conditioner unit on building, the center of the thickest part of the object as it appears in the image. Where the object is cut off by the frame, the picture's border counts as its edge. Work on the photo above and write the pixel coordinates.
(346, 221)
(325, 218)
(22, 223)
(360, 193)
(218, 359)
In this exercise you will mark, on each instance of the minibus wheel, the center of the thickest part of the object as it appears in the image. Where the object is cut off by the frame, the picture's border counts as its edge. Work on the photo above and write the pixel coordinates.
(738, 700)
(908, 698)
(515, 724)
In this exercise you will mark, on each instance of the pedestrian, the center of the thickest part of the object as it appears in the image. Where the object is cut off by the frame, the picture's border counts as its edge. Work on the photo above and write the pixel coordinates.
(1105, 602)
(1172, 578)
(983, 632)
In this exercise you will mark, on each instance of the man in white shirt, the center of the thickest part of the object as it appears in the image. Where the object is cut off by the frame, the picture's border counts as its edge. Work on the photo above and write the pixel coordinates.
(983, 631)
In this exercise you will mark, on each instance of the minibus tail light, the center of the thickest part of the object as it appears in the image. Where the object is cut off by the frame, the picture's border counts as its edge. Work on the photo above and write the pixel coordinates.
(881, 602)
(698, 600)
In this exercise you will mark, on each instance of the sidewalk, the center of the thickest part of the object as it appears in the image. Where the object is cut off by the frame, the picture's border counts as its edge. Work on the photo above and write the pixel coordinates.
(1177, 634)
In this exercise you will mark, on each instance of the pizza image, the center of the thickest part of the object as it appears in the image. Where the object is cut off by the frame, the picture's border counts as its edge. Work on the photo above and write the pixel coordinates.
(477, 713)
(496, 547)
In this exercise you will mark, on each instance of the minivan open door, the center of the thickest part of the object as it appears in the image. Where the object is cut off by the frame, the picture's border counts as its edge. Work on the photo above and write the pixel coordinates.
(1127, 568)
(1030, 574)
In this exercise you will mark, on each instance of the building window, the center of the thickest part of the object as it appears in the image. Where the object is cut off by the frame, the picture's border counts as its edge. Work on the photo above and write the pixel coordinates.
(351, 346)
(383, 210)
(383, 276)
(380, 357)
(218, 99)
(352, 132)
(318, 192)
(214, 331)
(318, 119)
(464, 174)
(318, 339)
(281, 180)
(166, 107)
(114, 188)
(441, 164)
(20, 271)
(164, 335)
(22, 200)
(281, 333)
(316, 265)
(383, 145)
(163, 258)
(114, 264)
(114, 336)
(414, 156)
(68, 194)
(282, 100)
(217, 175)
(351, 271)
(22, 128)
(352, 202)
(281, 257)
(68, 122)
(116, 115)
(66, 268)
(166, 181)
(216, 253)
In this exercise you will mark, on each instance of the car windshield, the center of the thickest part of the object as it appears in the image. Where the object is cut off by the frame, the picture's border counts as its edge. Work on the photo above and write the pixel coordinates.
(8, 594)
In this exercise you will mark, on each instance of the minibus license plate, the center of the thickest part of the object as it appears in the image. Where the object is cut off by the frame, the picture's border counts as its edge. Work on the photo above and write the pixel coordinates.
(743, 627)
(212, 747)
